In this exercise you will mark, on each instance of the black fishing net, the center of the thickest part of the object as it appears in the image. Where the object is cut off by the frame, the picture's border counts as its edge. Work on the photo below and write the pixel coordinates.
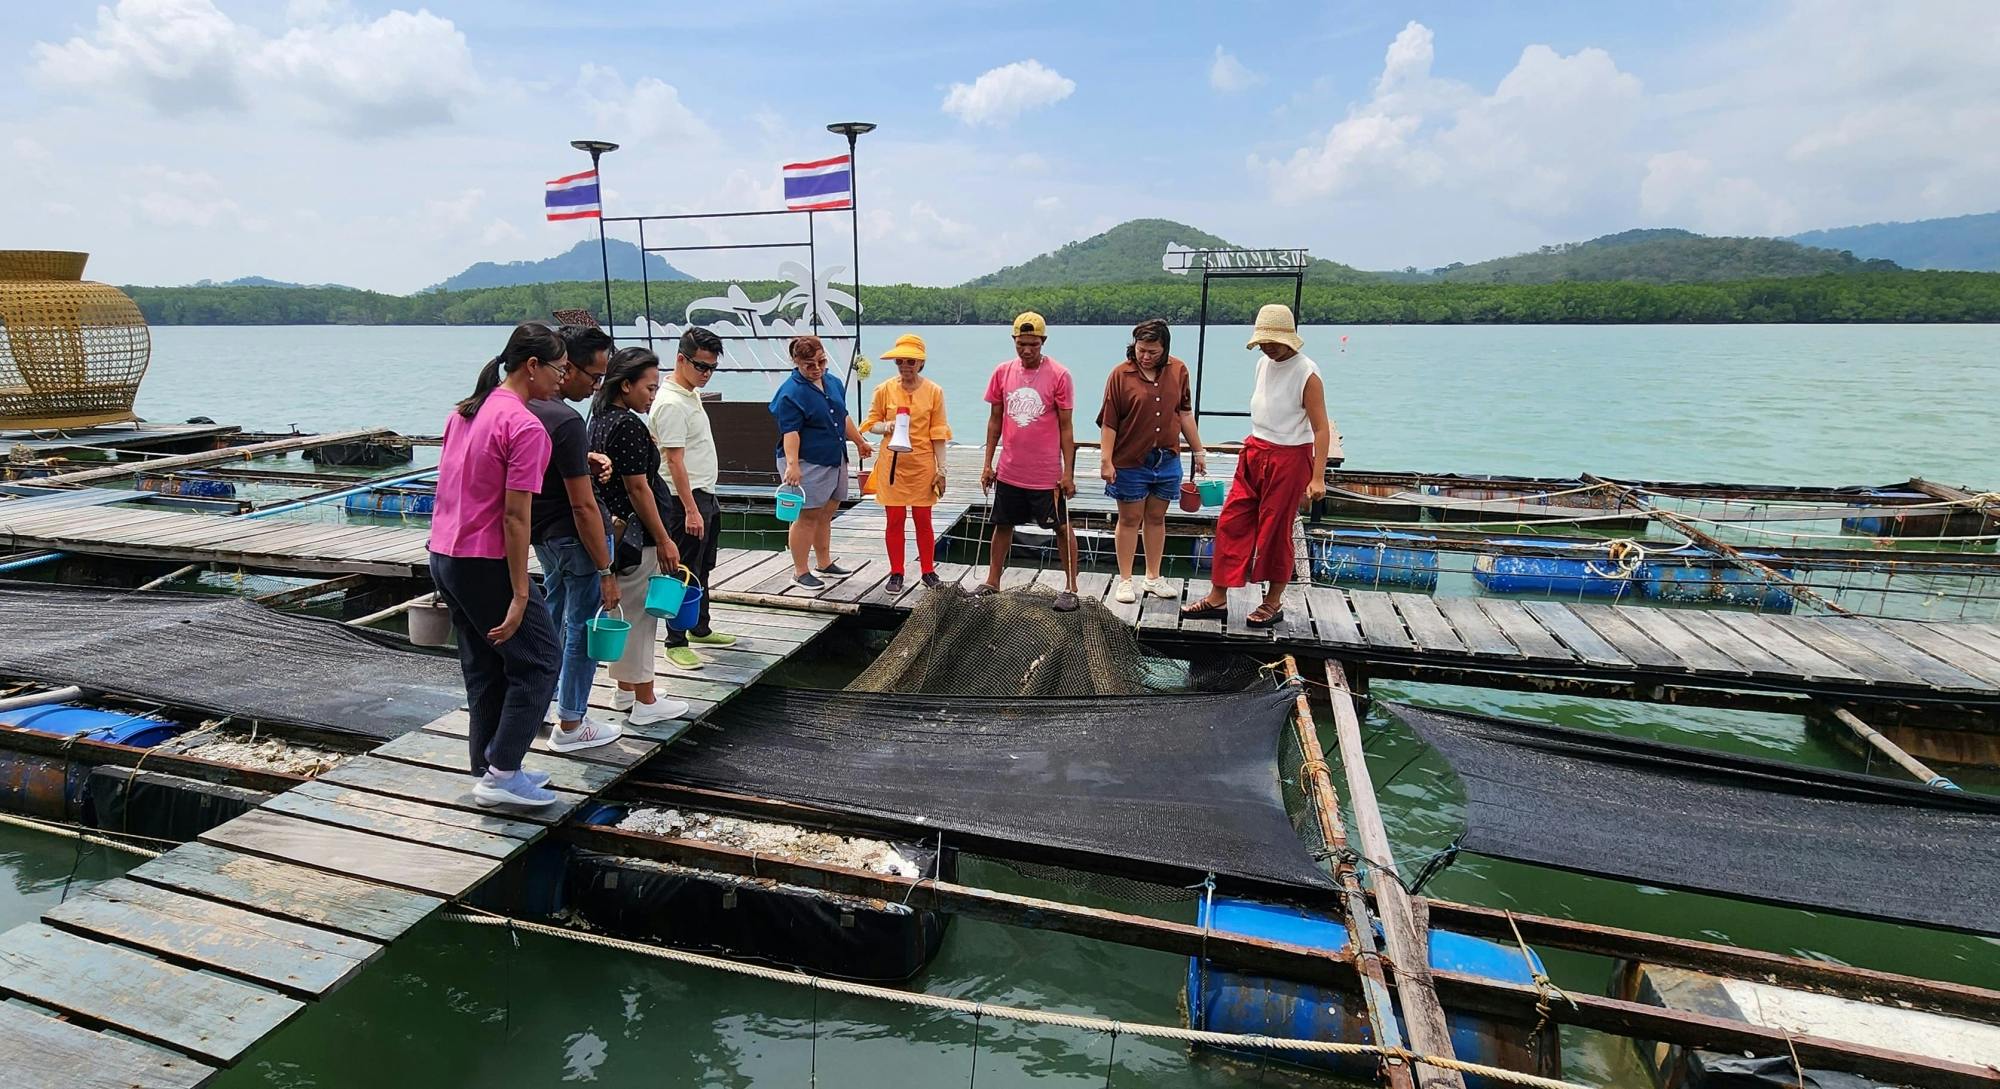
(1007, 644)
(1735, 825)
(1162, 788)
(222, 655)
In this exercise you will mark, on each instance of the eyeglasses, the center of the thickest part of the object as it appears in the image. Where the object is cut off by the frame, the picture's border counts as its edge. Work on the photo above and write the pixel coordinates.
(705, 368)
(596, 380)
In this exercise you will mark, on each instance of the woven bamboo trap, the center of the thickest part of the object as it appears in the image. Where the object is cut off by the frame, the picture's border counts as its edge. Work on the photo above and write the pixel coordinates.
(72, 351)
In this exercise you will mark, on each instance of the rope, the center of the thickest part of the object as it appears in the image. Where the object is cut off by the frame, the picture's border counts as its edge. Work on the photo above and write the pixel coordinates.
(1544, 986)
(77, 832)
(1627, 553)
(1012, 1013)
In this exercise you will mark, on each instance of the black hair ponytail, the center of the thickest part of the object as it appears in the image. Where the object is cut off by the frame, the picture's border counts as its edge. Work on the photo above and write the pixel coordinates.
(530, 340)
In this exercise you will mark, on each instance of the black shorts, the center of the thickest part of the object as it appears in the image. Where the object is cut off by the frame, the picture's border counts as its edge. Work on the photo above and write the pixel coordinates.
(1014, 506)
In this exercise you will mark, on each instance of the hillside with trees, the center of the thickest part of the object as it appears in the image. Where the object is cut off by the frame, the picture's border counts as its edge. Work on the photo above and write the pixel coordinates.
(1655, 256)
(1960, 242)
(1130, 254)
(580, 262)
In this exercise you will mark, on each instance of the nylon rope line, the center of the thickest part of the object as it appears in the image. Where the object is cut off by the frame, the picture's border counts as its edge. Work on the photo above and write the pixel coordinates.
(1011, 1013)
(77, 831)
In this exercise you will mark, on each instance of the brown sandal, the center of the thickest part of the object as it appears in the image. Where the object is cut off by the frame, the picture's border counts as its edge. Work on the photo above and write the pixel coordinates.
(1202, 610)
(1264, 616)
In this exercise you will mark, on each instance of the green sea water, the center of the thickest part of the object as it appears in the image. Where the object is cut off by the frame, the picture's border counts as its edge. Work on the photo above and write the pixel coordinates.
(453, 1005)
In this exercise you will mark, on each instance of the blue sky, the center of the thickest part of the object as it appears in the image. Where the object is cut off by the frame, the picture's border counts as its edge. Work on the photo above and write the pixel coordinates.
(388, 146)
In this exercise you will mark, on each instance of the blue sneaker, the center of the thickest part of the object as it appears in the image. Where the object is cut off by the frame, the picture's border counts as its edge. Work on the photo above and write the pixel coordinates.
(537, 778)
(512, 789)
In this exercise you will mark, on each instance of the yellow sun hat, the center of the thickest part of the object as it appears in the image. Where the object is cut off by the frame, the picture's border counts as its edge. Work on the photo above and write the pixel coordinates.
(908, 346)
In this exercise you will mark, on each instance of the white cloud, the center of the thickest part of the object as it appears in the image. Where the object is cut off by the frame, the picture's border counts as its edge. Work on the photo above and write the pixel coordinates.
(499, 231)
(1227, 74)
(649, 110)
(1006, 92)
(400, 71)
(1683, 188)
(1048, 204)
(178, 198)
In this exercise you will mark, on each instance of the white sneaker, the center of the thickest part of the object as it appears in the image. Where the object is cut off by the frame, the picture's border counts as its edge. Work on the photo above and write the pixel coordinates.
(589, 734)
(622, 700)
(1161, 588)
(1125, 594)
(645, 714)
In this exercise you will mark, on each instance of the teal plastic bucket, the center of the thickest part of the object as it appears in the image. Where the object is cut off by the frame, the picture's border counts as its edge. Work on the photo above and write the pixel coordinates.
(664, 593)
(604, 637)
(690, 613)
(1213, 492)
(791, 500)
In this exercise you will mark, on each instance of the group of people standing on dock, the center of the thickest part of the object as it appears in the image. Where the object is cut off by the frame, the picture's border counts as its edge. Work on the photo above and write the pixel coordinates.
(608, 503)
(1029, 471)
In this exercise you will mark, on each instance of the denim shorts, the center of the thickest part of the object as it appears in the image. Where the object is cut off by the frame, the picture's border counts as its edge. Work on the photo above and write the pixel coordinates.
(1158, 477)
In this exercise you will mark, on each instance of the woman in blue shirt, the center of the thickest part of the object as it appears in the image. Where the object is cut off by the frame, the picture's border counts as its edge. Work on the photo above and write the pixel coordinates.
(814, 429)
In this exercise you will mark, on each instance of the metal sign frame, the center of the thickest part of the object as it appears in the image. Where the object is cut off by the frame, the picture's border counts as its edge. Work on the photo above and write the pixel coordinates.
(1292, 267)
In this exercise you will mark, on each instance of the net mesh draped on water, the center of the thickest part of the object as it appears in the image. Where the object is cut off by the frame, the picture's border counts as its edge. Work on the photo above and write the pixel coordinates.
(1185, 782)
(1007, 644)
(222, 655)
(1713, 822)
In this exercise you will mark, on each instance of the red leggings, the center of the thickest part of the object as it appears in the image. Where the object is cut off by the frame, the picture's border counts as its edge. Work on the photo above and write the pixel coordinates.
(926, 538)
(1253, 535)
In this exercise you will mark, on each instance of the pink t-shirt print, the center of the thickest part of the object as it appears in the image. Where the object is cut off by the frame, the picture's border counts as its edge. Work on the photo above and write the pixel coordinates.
(1030, 437)
(504, 448)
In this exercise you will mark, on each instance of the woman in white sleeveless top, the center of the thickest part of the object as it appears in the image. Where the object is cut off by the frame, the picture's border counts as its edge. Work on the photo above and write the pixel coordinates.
(1283, 463)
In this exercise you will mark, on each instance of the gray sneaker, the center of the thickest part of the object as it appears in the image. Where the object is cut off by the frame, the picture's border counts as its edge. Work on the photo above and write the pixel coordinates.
(932, 581)
(1066, 602)
(512, 789)
(810, 581)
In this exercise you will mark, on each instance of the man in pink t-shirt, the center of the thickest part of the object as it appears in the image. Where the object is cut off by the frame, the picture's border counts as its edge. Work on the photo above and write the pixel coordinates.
(1032, 398)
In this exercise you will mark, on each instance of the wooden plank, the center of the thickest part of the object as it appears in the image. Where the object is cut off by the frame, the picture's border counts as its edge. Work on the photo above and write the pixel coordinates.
(211, 1018)
(361, 908)
(750, 572)
(1242, 599)
(1945, 649)
(1475, 629)
(1760, 662)
(631, 747)
(714, 668)
(1693, 652)
(44, 1053)
(1828, 641)
(1809, 662)
(1428, 626)
(1380, 625)
(1297, 625)
(866, 577)
(1017, 578)
(771, 578)
(1979, 637)
(299, 960)
(436, 786)
(395, 826)
(409, 866)
(1575, 634)
(806, 623)
(1333, 620)
(1524, 631)
(1093, 585)
(488, 821)
(1610, 622)
(1196, 590)
(449, 754)
(1937, 674)
(1161, 614)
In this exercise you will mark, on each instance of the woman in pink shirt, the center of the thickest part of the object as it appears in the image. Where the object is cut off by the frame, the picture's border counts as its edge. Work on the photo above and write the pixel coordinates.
(495, 454)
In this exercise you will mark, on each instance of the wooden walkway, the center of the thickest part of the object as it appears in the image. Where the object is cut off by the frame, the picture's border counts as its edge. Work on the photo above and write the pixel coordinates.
(278, 544)
(1864, 658)
(164, 976)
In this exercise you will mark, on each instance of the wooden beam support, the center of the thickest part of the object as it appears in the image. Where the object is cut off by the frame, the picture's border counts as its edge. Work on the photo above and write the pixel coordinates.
(1409, 946)
(319, 589)
(208, 457)
(1893, 751)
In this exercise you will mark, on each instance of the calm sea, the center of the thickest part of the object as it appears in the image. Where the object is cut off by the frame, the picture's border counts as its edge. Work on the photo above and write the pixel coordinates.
(459, 1006)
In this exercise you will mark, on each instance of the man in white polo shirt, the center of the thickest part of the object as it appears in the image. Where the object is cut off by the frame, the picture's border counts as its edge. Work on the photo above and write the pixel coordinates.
(687, 449)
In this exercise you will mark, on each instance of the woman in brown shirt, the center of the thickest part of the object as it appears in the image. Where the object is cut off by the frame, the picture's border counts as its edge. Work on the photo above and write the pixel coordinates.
(1146, 412)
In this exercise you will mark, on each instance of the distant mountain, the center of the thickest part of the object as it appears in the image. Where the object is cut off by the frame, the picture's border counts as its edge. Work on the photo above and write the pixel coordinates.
(580, 263)
(1657, 256)
(265, 281)
(1968, 243)
(1130, 253)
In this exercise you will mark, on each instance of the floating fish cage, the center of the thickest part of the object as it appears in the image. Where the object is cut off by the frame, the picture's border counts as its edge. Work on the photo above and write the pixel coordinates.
(363, 453)
(192, 486)
(1219, 1000)
(1689, 576)
(399, 502)
(1372, 558)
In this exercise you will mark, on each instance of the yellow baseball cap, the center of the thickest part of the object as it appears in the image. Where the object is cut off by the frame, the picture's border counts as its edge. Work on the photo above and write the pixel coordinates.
(1030, 324)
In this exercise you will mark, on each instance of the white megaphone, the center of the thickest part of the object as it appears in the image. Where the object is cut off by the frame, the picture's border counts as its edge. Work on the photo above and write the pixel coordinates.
(900, 440)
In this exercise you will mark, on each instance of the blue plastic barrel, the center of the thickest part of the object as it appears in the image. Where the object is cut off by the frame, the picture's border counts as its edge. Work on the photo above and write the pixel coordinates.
(1370, 558)
(1225, 1001)
(1589, 574)
(94, 723)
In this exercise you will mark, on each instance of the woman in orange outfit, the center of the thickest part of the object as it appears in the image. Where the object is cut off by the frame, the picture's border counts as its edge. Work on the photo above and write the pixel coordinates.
(913, 478)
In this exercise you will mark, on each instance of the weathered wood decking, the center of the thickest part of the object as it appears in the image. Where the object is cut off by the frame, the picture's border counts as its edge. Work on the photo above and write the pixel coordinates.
(206, 950)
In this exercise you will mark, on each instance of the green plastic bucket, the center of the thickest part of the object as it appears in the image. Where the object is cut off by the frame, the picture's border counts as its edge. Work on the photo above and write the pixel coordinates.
(1213, 492)
(665, 592)
(604, 637)
(791, 500)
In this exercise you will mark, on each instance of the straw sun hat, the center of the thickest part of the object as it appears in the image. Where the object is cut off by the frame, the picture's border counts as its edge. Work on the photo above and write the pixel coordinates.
(1275, 325)
(908, 346)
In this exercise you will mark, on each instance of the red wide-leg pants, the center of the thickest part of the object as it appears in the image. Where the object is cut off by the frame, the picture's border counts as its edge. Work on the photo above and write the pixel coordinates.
(1253, 536)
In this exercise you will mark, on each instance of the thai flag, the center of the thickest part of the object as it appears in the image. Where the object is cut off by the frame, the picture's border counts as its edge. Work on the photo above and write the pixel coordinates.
(572, 197)
(819, 186)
